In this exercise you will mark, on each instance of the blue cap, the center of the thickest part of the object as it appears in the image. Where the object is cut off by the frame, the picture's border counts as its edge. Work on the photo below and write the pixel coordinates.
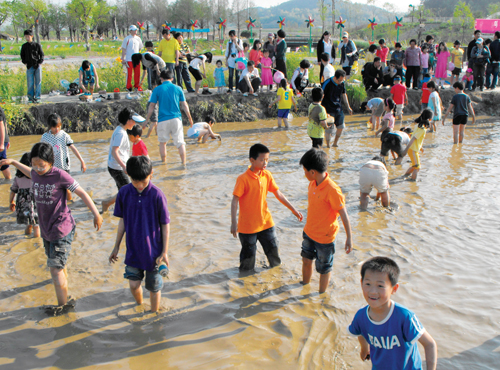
(397, 77)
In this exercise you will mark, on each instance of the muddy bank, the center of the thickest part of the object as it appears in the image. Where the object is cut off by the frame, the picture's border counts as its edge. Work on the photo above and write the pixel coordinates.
(100, 116)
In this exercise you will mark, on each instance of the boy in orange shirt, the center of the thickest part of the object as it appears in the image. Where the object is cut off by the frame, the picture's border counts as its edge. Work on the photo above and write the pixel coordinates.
(326, 203)
(255, 221)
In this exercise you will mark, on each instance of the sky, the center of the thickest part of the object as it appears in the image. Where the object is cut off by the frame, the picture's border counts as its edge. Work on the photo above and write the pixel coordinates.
(401, 5)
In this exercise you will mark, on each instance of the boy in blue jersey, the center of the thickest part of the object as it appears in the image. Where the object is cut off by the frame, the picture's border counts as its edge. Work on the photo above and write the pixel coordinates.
(388, 332)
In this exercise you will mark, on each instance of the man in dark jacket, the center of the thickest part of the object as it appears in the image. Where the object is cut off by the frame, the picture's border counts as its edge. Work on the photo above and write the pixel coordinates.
(32, 57)
(492, 68)
(373, 75)
(477, 34)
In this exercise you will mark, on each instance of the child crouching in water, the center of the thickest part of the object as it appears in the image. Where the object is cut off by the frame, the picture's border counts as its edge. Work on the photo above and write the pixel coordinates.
(389, 119)
(57, 226)
(387, 331)
(416, 143)
(25, 206)
(285, 100)
(143, 212)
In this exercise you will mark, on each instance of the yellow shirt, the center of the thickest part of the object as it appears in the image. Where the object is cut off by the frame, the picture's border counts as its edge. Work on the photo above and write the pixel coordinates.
(419, 135)
(168, 49)
(286, 98)
(369, 57)
(317, 113)
(458, 57)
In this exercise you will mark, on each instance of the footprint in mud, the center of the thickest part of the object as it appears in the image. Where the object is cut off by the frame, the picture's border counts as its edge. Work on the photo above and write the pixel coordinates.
(60, 310)
(141, 314)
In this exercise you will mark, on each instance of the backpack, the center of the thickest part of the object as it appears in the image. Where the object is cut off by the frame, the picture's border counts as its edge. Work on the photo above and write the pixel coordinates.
(74, 89)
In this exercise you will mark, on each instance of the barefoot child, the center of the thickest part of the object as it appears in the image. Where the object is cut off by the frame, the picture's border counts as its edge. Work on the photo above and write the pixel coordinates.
(325, 204)
(416, 142)
(376, 106)
(144, 218)
(285, 100)
(399, 96)
(203, 130)
(388, 120)
(22, 191)
(434, 105)
(57, 226)
(387, 331)
(254, 220)
(461, 105)
(317, 119)
(374, 174)
(60, 142)
(138, 147)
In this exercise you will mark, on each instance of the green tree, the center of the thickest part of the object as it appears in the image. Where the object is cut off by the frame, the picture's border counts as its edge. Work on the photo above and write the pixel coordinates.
(323, 13)
(102, 17)
(56, 18)
(34, 10)
(83, 11)
(464, 18)
(5, 12)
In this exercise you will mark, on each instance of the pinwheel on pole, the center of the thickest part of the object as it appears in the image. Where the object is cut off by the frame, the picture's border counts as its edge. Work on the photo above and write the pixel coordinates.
(222, 27)
(281, 22)
(310, 25)
(340, 25)
(141, 27)
(167, 25)
(373, 23)
(398, 24)
(250, 25)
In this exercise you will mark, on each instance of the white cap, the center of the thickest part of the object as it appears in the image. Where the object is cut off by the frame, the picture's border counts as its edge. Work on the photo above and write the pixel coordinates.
(132, 28)
(137, 118)
(345, 34)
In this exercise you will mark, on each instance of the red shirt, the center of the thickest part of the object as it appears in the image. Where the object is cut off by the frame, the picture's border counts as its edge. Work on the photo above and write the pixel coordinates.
(139, 148)
(382, 53)
(398, 91)
(425, 93)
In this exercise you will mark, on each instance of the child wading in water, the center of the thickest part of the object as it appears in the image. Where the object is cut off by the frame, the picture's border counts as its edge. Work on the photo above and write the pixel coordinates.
(25, 202)
(388, 120)
(434, 105)
(285, 100)
(416, 142)
(60, 142)
(57, 226)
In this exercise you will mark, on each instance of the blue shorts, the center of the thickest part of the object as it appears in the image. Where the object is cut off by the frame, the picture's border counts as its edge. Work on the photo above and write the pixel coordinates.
(154, 281)
(3, 155)
(322, 253)
(57, 251)
(87, 82)
(283, 113)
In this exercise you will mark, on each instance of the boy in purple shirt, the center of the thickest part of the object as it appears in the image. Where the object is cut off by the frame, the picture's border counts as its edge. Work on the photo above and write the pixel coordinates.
(143, 212)
(57, 226)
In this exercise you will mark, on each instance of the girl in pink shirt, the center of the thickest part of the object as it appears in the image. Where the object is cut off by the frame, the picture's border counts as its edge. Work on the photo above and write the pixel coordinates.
(255, 53)
(389, 119)
(382, 52)
(443, 57)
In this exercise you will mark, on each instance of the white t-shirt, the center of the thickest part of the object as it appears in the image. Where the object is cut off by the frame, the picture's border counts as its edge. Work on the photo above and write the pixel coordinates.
(194, 131)
(60, 144)
(132, 45)
(231, 49)
(245, 72)
(327, 48)
(405, 139)
(328, 72)
(196, 62)
(119, 139)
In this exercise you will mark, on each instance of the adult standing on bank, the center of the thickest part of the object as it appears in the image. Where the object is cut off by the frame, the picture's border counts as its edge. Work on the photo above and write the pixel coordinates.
(170, 99)
(413, 61)
(182, 68)
(470, 60)
(233, 49)
(4, 144)
(492, 68)
(325, 46)
(169, 51)
(281, 52)
(347, 51)
(269, 45)
(335, 93)
(132, 44)
(32, 57)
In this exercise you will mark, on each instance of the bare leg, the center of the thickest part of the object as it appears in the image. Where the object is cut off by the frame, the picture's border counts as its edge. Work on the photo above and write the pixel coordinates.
(182, 153)
(136, 290)
(328, 138)
(337, 137)
(279, 122)
(386, 198)
(398, 161)
(106, 203)
(36, 231)
(163, 151)
(307, 270)
(60, 284)
(415, 173)
(456, 128)
(6, 174)
(363, 200)
(205, 138)
(285, 122)
(28, 230)
(409, 171)
(197, 86)
(377, 123)
(324, 279)
(155, 300)
(461, 134)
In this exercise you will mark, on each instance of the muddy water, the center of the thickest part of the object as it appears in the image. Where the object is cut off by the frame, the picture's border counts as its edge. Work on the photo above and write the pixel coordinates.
(441, 230)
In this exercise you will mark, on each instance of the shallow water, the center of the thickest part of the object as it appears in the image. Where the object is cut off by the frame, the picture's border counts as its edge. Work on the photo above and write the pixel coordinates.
(441, 231)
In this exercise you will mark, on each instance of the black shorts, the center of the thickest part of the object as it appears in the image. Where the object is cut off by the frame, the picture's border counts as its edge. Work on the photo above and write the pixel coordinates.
(460, 120)
(456, 71)
(317, 142)
(196, 73)
(120, 177)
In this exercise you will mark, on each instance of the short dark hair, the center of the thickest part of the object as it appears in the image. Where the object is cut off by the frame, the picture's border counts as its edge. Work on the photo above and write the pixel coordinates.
(232, 33)
(459, 85)
(315, 159)
(258, 149)
(28, 33)
(135, 131)
(149, 44)
(457, 42)
(382, 264)
(325, 57)
(165, 31)
(283, 83)
(136, 59)
(167, 74)
(209, 118)
(428, 38)
(317, 94)
(424, 47)
(250, 63)
(304, 63)
(398, 45)
(381, 41)
(138, 168)
(85, 65)
(372, 48)
(54, 120)
(427, 75)
(177, 34)
(43, 151)
(413, 40)
(487, 41)
(125, 115)
(339, 73)
(376, 59)
(408, 130)
(281, 34)
(497, 34)
(363, 106)
(26, 160)
(380, 159)
(477, 31)
(431, 85)
(245, 45)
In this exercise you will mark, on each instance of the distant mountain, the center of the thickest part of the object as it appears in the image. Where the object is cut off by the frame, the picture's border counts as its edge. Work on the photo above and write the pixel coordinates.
(297, 11)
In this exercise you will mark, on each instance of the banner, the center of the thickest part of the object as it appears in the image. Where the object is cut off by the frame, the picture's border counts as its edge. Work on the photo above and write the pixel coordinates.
(487, 25)
(189, 30)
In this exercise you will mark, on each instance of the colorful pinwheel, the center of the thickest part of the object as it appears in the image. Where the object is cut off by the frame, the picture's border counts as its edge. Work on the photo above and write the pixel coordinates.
(250, 22)
(141, 25)
(281, 22)
(194, 24)
(373, 23)
(310, 22)
(340, 25)
(167, 25)
(222, 23)
(398, 24)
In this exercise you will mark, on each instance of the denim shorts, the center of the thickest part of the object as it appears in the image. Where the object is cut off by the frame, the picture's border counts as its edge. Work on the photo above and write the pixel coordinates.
(57, 251)
(154, 281)
(339, 121)
(269, 241)
(120, 177)
(322, 253)
(3, 155)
